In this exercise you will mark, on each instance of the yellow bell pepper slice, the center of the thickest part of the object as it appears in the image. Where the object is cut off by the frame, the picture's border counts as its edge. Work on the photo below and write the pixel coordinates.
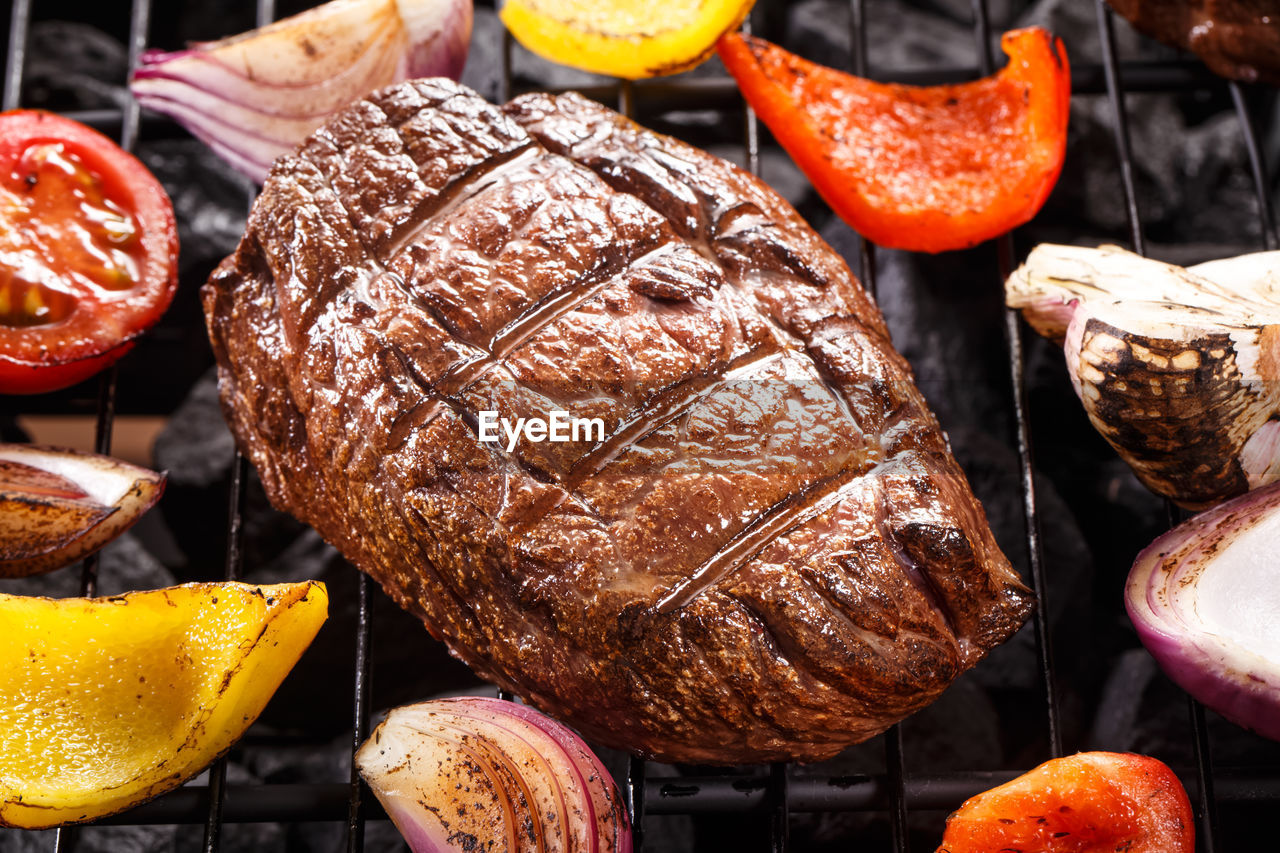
(623, 38)
(107, 702)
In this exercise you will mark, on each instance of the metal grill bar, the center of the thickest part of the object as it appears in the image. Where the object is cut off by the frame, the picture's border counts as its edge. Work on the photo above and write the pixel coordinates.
(233, 570)
(1115, 92)
(780, 822)
(139, 20)
(234, 566)
(19, 27)
(1022, 431)
(924, 792)
(860, 62)
(101, 444)
(1124, 149)
(897, 777)
(1265, 212)
(1208, 801)
(626, 98)
(1086, 79)
(780, 817)
(687, 795)
(634, 794)
(360, 701)
(507, 43)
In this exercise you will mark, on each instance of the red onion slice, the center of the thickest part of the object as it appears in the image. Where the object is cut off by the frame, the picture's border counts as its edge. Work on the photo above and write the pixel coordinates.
(58, 506)
(256, 96)
(1205, 599)
(476, 773)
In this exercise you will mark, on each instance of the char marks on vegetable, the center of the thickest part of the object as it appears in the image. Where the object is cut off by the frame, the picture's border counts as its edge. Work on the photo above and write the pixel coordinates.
(1176, 367)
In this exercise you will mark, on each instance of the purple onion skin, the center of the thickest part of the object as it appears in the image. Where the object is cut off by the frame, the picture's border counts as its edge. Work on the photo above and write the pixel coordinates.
(1249, 703)
(1235, 682)
(429, 59)
(575, 746)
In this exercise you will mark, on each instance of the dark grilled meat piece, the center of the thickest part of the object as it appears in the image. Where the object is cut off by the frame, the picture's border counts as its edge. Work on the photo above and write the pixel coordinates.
(1239, 39)
(771, 554)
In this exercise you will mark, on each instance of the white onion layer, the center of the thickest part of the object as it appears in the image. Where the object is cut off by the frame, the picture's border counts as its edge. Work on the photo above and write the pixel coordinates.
(1205, 600)
(105, 480)
(91, 500)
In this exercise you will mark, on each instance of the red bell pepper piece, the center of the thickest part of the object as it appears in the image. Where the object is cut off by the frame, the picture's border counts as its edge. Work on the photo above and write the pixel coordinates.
(926, 168)
(1093, 802)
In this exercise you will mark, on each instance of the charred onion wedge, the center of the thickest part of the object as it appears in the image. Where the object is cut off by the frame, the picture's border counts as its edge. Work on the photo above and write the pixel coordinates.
(473, 773)
(58, 506)
(1176, 367)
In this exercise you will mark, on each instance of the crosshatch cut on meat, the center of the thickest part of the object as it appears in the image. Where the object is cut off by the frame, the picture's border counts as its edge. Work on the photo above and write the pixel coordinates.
(771, 554)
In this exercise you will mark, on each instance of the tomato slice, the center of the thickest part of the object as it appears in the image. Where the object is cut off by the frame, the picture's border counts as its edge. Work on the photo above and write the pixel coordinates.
(925, 168)
(88, 251)
(1093, 802)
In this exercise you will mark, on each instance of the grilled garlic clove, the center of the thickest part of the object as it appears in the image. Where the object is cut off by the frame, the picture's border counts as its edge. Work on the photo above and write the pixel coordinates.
(1176, 367)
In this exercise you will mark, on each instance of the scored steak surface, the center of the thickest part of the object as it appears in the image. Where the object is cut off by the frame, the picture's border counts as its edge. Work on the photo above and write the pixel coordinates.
(771, 554)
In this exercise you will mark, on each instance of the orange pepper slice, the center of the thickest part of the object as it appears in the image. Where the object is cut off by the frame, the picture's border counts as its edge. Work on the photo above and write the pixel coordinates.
(925, 168)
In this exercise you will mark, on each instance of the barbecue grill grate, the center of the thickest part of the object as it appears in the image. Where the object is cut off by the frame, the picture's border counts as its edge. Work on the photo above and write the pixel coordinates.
(776, 793)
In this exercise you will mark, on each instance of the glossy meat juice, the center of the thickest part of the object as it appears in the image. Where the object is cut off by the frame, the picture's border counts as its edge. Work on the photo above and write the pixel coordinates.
(770, 555)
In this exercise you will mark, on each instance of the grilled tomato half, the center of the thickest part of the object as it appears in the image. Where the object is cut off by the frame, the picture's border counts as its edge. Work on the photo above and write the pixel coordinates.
(1091, 802)
(88, 252)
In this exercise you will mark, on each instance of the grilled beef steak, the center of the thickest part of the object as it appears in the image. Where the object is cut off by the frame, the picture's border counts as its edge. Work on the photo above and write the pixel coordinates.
(770, 554)
(1236, 38)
